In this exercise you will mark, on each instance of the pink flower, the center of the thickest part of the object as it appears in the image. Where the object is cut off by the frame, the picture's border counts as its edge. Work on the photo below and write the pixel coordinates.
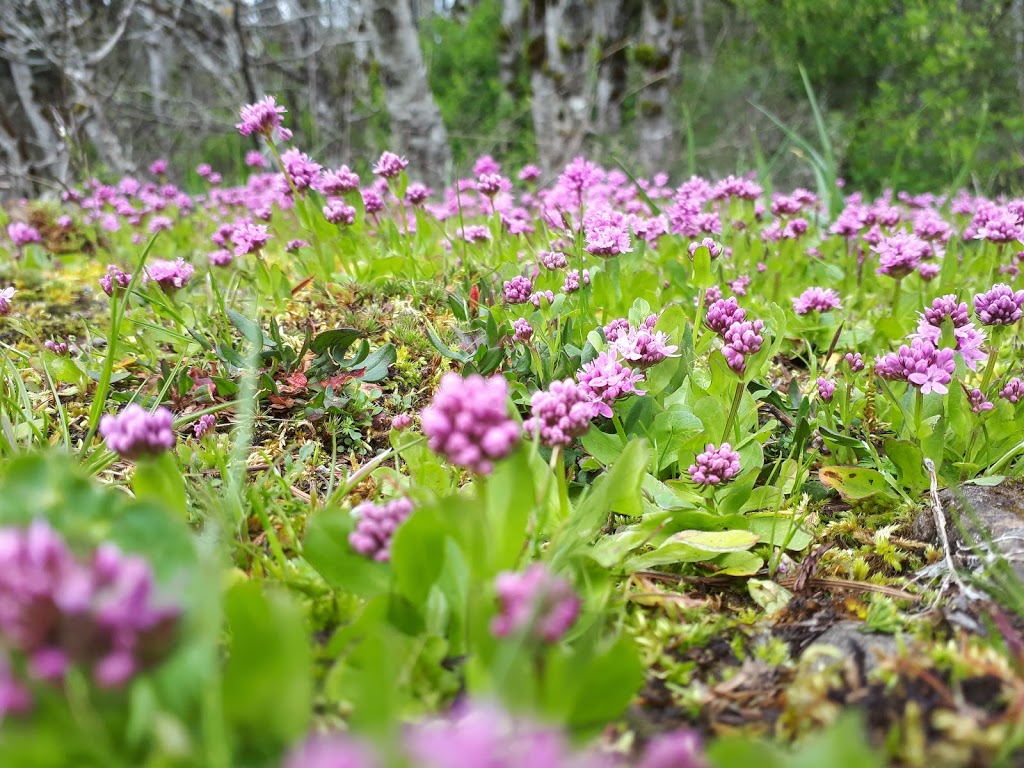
(715, 466)
(535, 602)
(263, 117)
(817, 300)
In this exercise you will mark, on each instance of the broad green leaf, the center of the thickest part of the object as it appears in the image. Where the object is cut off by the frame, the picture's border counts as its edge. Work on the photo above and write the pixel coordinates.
(378, 363)
(158, 479)
(775, 528)
(326, 548)
(737, 564)
(855, 483)
(267, 683)
(337, 340)
(909, 462)
(249, 329)
(717, 541)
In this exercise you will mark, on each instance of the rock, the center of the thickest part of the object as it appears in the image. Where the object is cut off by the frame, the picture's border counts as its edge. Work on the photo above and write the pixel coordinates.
(864, 648)
(976, 516)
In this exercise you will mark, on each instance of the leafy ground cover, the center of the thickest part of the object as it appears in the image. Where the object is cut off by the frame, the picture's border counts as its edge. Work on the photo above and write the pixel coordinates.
(565, 468)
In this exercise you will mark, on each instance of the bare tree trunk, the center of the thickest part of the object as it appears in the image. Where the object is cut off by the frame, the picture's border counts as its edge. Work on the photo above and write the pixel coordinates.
(510, 44)
(615, 27)
(659, 55)
(560, 33)
(416, 126)
(1017, 15)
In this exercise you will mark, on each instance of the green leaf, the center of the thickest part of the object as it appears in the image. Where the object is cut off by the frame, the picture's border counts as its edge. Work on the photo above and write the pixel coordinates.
(775, 528)
(443, 349)
(337, 341)
(909, 463)
(267, 684)
(510, 500)
(703, 277)
(694, 547)
(378, 363)
(158, 479)
(418, 547)
(249, 329)
(326, 548)
(855, 483)
(604, 447)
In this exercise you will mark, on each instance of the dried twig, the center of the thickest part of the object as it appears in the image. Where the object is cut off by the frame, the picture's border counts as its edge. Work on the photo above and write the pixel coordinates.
(940, 524)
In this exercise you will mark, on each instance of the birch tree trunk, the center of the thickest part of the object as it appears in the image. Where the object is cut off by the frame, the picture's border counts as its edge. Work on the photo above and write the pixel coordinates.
(559, 37)
(615, 21)
(658, 54)
(417, 130)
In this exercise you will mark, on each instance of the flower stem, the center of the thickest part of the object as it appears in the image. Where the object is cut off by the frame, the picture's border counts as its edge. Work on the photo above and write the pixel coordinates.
(733, 411)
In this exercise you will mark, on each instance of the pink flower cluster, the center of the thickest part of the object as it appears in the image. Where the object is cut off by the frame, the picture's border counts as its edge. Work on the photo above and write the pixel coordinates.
(921, 364)
(58, 611)
(169, 275)
(536, 603)
(605, 379)
(560, 413)
(136, 432)
(715, 466)
(817, 300)
(999, 305)
(468, 422)
(376, 525)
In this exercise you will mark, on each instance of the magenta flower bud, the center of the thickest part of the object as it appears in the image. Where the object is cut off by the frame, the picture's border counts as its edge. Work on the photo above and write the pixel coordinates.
(741, 340)
(468, 422)
(644, 347)
(57, 347)
(22, 234)
(401, 421)
(999, 305)
(535, 602)
(204, 425)
(376, 525)
(561, 413)
(417, 194)
(715, 466)
(337, 211)
(900, 254)
(855, 361)
(826, 389)
(977, 401)
(920, 363)
(338, 182)
(572, 280)
(518, 290)
(523, 331)
(337, 751)
(722, 314)
(676, 749)
(136, 432)
(303, 172)
(1013, 391)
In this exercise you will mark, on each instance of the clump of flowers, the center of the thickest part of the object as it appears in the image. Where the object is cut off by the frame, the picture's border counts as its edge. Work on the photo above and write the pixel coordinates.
(817, 300)
(136, 432)
(1013, 391)
(5, 300)
(58, 611)
(900, 254)
(643, 346)
(607, 233)
(715, 466)
(969, 340)
(560, 413)
(676, 749)
(114, 277)
(57, 347)
(921, 363)
(976, 399)
(522, 330)
(742, 339)
(390, 165)
(303, 172)
(169, 275)
(468, 422)
(1000, 305)
(535, 602)
(376, 525)
(264, 117)
(723, 313)
(204, 425)
(23, 234)
(855, 361)
(553, 259)
(826, 388)
(572, 280)
(605, 379)
(337, 211)
(518, 290)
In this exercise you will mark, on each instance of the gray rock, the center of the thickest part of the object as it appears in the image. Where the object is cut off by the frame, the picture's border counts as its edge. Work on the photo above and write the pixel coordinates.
(864, 648)
(978, 520)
